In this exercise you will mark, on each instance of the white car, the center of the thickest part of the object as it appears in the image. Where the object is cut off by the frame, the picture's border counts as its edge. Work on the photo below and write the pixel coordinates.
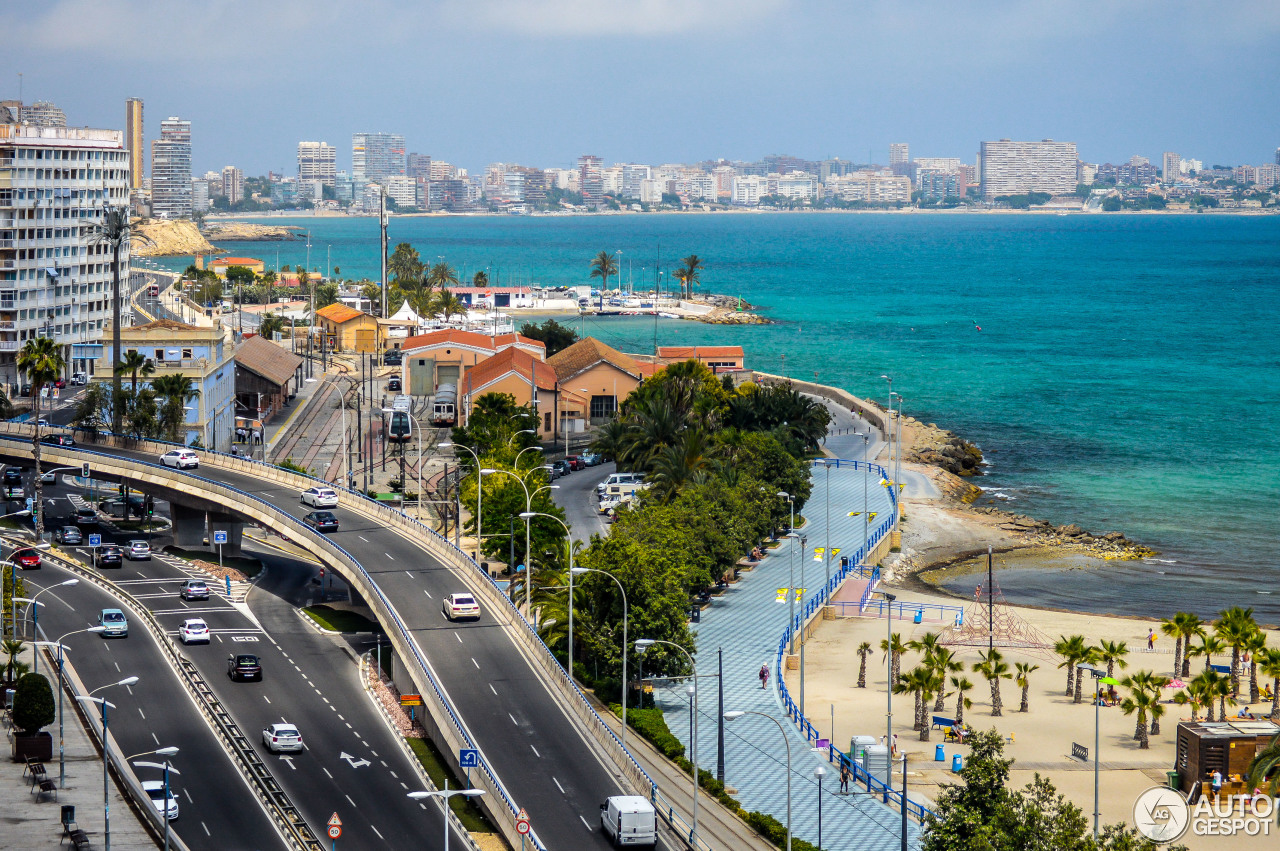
(155, 791)
(49, 477)
(463, 605)
(193, 631)
(282, 737)
(320, 497)
(182, 459)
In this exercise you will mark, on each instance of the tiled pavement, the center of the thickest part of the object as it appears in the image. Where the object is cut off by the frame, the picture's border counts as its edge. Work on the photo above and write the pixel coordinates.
(747, 623)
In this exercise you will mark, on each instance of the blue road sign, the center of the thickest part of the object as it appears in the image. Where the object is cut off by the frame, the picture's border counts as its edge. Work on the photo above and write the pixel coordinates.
(95, 540)
(220, 537)
(469, 758)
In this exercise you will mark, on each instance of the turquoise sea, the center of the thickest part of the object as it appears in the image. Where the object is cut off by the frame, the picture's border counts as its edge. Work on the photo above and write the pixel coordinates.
(1126, 375)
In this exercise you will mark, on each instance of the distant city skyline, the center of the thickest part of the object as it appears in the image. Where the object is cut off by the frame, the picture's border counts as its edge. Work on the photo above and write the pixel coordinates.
(542, 82)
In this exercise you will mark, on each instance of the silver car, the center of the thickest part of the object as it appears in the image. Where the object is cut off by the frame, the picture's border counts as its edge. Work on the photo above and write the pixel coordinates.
(68, 535)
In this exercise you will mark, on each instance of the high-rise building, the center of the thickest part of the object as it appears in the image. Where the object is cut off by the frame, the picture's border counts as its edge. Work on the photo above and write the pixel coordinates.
(44, 114)
(418, 166)
(374, 157)
(1277, 156)
(199, 194)
(171, 170)
(317, 161)
(233, 184)
(1015, 168)
(899, 154)
(135, 141)
(590, 180)
(55, 282)
(1171, 167)
(1138, 159)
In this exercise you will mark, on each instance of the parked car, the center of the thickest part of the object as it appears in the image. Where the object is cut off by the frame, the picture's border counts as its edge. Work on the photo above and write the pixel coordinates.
(138, 551)
(562, 467)
(115, 623)
(459, 606)
(27, 559)
(322, 521)
(58, 440)
(320, 497)
(282, 737)
(86, 517)
(592, 459)
(618, 479)
(193, 631)
(60, 383)
(49, 477)
(182, 459)
(244, 666)
(79, 379)
(194, 589)
(394, 358)
(553, 472)
(575, 462)
(166, 805)
(393, 385)
(67, 535)
(109, 555)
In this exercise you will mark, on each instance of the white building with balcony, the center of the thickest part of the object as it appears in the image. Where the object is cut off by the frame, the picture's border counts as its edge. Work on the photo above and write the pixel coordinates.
(54, 282)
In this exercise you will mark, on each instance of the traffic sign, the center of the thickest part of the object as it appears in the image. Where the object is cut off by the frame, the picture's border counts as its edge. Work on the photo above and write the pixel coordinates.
(95, 540)
(468, 758)
(334, 821)
(335, 831)
(522, 822)
(220, 536)
(410, 700)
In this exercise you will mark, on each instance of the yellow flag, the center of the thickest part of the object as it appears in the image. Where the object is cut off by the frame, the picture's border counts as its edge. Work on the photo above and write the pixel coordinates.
(872, 515)
(850, 514)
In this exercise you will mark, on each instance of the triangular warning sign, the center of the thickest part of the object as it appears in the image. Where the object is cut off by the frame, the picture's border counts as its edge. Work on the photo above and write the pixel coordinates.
(334, 821)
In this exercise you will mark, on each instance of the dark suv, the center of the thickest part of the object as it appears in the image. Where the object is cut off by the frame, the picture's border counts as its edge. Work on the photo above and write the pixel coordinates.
(244, 666)
(109, 555)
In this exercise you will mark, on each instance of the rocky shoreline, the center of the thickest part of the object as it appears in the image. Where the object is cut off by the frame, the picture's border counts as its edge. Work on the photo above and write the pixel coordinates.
(728, 310)
(245, 232)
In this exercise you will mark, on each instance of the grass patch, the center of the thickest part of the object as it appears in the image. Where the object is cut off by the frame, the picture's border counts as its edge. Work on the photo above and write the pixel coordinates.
(340, 620)
(471, 816)
(249, 566)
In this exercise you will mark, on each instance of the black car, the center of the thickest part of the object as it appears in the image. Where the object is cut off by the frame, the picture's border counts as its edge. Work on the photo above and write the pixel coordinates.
(244, 666)
(393, 385)
(109, 555)
(393, 359)
(12, 476)
(322, 521)
(562, 467)
(58, 440)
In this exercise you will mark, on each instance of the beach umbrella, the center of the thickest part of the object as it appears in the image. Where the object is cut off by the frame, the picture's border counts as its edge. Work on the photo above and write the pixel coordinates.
(1177, 683)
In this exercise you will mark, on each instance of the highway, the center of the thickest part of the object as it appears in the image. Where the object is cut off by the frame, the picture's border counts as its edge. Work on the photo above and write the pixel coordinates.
(525, 735)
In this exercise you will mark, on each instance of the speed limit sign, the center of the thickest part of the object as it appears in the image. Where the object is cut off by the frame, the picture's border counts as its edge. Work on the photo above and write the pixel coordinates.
(522, 822)
(335, 831)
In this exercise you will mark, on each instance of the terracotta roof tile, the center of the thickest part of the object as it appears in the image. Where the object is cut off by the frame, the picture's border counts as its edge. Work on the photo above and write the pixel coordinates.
(338, 313)
(585, 354)
(508, 360)
(265, 358)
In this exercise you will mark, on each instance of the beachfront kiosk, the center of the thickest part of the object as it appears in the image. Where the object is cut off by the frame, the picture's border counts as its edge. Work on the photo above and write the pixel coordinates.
(1225, 746)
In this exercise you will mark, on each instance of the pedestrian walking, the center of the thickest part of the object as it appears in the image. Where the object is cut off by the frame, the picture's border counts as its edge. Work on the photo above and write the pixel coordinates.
(844, 778)
(1151, 639)
(764, 675)
(894, 749)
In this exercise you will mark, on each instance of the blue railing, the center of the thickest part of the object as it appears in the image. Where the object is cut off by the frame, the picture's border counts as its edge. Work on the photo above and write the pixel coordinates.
(872, 581)
(904, 610)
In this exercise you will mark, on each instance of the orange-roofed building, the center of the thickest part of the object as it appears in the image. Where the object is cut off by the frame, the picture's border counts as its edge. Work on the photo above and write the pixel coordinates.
(221, 265)
(443, 357)
(519, 374)
(593, 378)
(346, 329)
(716, 358)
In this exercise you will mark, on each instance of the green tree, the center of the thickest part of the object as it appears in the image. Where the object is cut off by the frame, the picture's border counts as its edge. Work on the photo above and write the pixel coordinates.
(405, 265)
(864, 650)
(962, 686)
(113, 230)
(1255, 646)
(1209, 646)
(1235, 626)
(1113, 653)
(481, 279)
(41, 360)
(689, 273)
(1074, 650)
(33, 706)
(602, 266)
(133, 364)
(496, 422)
(1022, 678)
(449, 305)
(441, 276)
(993, 669)
(326, 294)
(270, 324)
(1269, 665)
(893, 647)
(551, 333)
(172, 393)
(1181, 627)
(93, 409)
(1264, 770)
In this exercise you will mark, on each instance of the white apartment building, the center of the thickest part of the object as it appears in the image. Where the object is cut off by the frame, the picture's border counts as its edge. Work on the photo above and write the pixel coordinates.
(899, 154)
(317, 161)
(375, 156)
(199, 195)
(946, 165)
(233, 184)
(724, 175)
(1189, 165)
(1267, 175)
(1015, 168)
(748, 189)
(403, 190)
(171, 170)
(1171, 167)
(796, 184)
(632, 176)
(651, 191)
(872, 187)
(611, 179)
(54, 181)
(696, 185)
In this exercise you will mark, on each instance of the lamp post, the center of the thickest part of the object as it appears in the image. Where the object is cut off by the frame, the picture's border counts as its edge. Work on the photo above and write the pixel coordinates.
(528, 510)
(167, 766)
(62, 686)
(866, 520)
(1098, 673)
(888, 423)
(35, 613)
(106, 800)
(888, 661)
(818, 774)
(791, 581)
(444, 796)
(826, 551)
(896, 487)
(734, 715)
(568, 541)
(581, 570)
(643, 644)
(480, 474)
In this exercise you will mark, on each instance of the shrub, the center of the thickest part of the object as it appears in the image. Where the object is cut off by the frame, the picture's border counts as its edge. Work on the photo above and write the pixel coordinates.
(288, 464)
(33, 707)
(650, 724)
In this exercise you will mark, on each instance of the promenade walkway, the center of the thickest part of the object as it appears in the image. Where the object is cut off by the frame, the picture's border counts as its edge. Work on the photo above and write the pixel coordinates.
(746, 623)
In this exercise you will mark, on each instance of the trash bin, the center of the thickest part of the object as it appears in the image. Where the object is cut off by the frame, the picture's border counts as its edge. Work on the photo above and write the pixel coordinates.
(957, 763)
(68, 814)
(695, 614)
(1174, 780)
(939, 753)
(919, 615)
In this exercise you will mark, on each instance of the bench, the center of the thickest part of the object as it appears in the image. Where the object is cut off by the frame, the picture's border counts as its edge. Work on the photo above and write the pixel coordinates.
(47, 787)
(79, 839)
(34, 769)
(941, 722)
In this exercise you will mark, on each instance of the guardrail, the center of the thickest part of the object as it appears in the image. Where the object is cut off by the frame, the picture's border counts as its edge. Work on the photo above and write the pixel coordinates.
(455, 735)
(903, 610)
(873, 580)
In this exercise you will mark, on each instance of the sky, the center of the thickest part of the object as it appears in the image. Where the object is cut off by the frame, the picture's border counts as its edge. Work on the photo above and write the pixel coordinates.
(540, 82)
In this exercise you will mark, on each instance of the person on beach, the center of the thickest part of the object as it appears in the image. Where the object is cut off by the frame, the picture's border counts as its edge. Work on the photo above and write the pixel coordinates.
(1216, 779)
(844, 778)
(764, 675)
(1151, 639)
(894, 749)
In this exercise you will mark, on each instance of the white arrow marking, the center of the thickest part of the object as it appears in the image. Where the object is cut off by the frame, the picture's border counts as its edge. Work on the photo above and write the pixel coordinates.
(352, 761)
(289, 760)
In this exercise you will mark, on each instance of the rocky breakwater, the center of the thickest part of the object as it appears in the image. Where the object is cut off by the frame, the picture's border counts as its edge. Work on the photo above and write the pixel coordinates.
(167, 238)
(928, 444)
(728, 310)
(1036, 532)
(245, 232)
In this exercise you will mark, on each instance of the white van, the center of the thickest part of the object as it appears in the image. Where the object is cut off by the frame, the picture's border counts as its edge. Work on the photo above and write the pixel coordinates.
(618, 479)
(629, 820)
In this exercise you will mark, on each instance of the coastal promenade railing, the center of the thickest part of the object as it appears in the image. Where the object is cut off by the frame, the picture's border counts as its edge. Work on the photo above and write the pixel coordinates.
(901, 610)
(872, 581)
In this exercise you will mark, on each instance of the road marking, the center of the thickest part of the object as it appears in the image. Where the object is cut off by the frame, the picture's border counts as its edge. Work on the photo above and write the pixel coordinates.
(348, 797)
(513, 719)
(474, 662)
(206, 829)
(388, 555)
(348, 723)
(289, 760)
(219, 637)
(375, 830)
(326, 771)
(384, 765)
(428, 593)
(153, 735)
(267, 699)
(325, 699)
(375, 753)
(408, 574)
(492, 689)
(459, 637)
(535, 752)
(393, 774)
(584, 821)
(118, 671)
(558, 786)
(363, 538)
(188, 794)
(143, 714)
(341, 718)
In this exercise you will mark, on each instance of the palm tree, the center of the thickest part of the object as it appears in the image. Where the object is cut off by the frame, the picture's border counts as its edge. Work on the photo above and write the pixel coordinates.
(1191, 626)
(1187, 698)
(913, 682)
(894, 647)
(133, 364)
(41, 359)
(993, 668)
(1234, 626)
(1256, 644)
(1023, 678)
(113, 231)
(404, 265)
(1090, 657)
(1214, 687)
(688, 273)
(1157, 709)
(1264, 771)
(942, 662)
(441, 275)
(962, 685)
(1208, 646)
(1139, 701)
(1180, 627)
(1073, 651)
(1113, 653)
(480, 279)
(175, 391)
(602, 266)
(1270, 667)
(864, 650)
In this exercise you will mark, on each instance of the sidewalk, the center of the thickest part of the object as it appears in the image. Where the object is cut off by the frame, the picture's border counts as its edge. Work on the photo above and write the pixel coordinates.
(755, 759)
(30, 826)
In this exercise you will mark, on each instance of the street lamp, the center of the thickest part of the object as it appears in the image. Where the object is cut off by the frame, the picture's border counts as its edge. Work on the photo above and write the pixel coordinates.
(578, 571)
(643, 644)
(826, 551)
(888, 428)
(818, 774)
(62, 686)
(1098, 673)
(444, 796)
(167, 766)
(734, 715)
(35, 613)
(106, 801)
(479, 488)
(528, 509)
(888, 661)
(568, 540)
(791, 591)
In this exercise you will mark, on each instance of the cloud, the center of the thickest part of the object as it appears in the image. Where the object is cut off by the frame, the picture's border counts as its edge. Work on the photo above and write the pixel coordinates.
(610, 17)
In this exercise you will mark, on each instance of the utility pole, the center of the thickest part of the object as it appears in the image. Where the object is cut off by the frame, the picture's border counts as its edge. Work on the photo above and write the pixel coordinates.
(382, 230)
